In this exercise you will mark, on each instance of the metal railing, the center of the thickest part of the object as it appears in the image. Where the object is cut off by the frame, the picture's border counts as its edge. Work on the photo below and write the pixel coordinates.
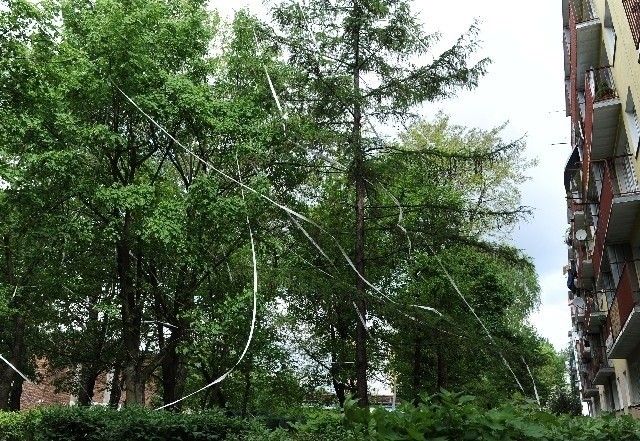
(599, 360)
(591, 306)
(624, 294)
(626, 181)
(588, 132)
(606, 201)
(580, 262)
(632, 10)
(621, 307)
(584, 10)
(573, 72)
(600, 84)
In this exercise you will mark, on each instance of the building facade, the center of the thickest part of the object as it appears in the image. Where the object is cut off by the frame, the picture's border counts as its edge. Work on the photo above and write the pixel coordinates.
(601, 42)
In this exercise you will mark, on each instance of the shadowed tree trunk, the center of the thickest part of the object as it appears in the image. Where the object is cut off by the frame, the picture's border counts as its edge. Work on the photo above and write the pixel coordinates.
(356, 144)
(117, 383)
(16, 394)
(8, 377)
(443, 373)
(416, 377)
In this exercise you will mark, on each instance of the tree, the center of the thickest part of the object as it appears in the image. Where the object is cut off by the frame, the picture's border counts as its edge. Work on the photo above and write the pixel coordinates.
(137, 229)
(357, 63)
(29, 212)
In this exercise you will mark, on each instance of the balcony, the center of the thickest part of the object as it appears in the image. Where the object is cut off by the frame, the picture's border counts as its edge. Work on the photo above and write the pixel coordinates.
(595, 313)
(589, 390)
(601, 367)
(582, 43)
(577, 312)
(583, 348)
(585, 266)
(619, 205)
(625, 206)
(583, 37)
(622, 328)
(606, 198)
(579, 216)
(602, 112)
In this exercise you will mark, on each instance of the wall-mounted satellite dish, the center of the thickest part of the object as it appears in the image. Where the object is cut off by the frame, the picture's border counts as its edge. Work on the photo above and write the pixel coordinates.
(581, 235)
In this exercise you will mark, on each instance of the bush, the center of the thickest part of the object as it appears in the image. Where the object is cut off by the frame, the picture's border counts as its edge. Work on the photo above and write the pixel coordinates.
(13, 426)
(449, 416)
(103, 424)
(445, 416)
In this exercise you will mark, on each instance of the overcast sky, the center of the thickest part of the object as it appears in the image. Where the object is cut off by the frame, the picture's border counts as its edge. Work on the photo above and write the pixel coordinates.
(525, 86)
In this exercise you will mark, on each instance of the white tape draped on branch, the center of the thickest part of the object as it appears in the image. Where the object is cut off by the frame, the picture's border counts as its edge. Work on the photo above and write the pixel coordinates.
(253, 318)
(455, 287)
(263, 196)
(15, 369)
(273, 89)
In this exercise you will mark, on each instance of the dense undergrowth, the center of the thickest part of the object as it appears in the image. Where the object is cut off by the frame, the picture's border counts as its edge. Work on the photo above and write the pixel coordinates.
(441, 417)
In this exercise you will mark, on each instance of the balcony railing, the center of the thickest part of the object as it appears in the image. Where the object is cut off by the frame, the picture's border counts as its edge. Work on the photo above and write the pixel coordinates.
(589, 390)
(601, 85)
(598, 87)
(601, 367)
(632, 9)
(588, 133)
(583, 10)
(580, 262)
(624, 294)
(623, 304)
(573, 72)
(594, 312)
(606, 201)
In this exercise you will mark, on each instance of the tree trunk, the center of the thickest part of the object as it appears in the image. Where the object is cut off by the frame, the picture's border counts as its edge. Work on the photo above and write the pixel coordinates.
(8, 377)
(335, 369)
(173, 377)
(87, 385)
(134, 385)
(218, 398)
(416, 384)
(340, 389)
(356, 143)
(172, 364)
(116, 388)
(245, 393)
(16, 394)
(131, 320)
(443, 373)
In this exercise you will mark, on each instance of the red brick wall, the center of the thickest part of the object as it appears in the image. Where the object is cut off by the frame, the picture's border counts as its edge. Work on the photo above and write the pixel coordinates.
(43, 393)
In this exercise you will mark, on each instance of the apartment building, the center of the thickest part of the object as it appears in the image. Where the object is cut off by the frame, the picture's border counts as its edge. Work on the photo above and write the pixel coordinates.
(602, 81)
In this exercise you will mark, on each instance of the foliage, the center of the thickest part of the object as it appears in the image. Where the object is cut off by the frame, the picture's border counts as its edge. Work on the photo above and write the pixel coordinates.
(564, 399)
(14, 425)
(126, 253)
(443, 416)
(451, 416)
(133, 423)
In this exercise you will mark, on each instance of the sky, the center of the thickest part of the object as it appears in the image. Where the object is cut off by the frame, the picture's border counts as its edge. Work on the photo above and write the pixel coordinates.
(524, 86)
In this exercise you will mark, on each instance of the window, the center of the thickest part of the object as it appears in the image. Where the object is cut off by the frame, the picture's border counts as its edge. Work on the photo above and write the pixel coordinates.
(631, 122)
(610, 38)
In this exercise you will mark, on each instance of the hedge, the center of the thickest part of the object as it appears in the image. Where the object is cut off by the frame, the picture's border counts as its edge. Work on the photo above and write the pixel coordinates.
(103, 424)
(441, 417)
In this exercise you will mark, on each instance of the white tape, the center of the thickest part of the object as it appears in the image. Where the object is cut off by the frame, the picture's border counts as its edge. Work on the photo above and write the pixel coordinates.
(15, 369)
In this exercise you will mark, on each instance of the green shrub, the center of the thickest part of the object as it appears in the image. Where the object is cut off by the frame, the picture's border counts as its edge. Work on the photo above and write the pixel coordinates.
(102, 424)
(445, 416)
(14, 426)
